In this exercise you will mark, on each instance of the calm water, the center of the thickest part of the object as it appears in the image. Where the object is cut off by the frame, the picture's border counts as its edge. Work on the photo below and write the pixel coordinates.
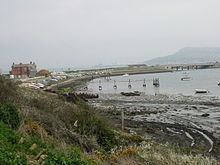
(170, 83)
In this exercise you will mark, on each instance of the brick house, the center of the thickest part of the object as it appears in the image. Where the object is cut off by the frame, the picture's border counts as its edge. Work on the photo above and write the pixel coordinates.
(24, 70)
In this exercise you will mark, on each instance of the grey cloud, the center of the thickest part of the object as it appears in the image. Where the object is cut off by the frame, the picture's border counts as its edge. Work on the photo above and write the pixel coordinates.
(65, 33)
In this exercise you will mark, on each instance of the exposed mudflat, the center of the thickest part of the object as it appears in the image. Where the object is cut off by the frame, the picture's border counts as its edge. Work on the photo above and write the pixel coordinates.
(193, 122)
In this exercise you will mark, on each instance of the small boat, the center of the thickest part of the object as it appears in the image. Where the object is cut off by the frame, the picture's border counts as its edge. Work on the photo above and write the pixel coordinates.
(201, 91)
(144, 84)
(156, 82)
(135, 93)
(100, 88)
(115, 86)
(185, 77)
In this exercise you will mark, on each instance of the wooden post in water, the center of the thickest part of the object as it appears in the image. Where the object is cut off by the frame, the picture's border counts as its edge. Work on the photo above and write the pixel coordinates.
(122, 119)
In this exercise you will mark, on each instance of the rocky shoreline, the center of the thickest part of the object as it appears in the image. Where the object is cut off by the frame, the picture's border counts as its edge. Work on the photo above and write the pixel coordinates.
(189, 121)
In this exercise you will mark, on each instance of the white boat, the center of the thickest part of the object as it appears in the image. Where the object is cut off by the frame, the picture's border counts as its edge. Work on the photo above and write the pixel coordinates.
(201, 91)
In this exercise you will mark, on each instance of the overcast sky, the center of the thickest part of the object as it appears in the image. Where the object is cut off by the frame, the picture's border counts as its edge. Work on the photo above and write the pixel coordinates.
(73, 33)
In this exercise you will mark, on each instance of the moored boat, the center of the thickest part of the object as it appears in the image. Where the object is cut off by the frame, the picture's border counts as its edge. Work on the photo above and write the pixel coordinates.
(185, 77)
(201, 91)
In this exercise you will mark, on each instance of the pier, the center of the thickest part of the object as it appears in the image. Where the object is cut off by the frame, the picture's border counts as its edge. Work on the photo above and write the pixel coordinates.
(190, 66)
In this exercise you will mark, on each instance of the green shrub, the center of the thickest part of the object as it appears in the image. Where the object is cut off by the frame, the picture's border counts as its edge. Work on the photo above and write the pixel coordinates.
(8, 142)
(91, 124)
(64, 90)
(8, 157)
(83, 105)
(9, 115)
(106, 139)
(27, 144)
(7, 135)
(8, 90)
(72, 157)
(12, 152)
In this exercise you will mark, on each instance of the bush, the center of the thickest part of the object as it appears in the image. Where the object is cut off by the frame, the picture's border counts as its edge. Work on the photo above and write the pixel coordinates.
(8, 142)
(7, 135)
(89, 123)
(72, 157)
(15, 152)
(106, 138)
(9, 115)
(39, 103)
(8, 90)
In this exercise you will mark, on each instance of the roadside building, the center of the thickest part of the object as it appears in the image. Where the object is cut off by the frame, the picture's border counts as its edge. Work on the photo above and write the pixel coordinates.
(23, 70)
(44, 73)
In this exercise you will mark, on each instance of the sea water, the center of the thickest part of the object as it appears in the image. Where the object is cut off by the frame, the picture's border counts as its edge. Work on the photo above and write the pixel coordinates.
(170, 83)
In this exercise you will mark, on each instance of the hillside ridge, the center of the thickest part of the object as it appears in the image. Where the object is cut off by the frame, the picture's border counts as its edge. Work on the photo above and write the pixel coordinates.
(189, 55)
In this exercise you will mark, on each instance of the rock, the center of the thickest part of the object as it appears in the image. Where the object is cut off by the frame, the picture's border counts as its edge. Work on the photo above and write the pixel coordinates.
(43, 157)
(205, 115)
(32, 162)
(70, 97)
(40, 154)
(86, 96)
(33, 147)
(194, 107)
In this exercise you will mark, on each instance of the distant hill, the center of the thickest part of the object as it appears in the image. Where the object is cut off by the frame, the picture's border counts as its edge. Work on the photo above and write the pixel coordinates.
(189, 55)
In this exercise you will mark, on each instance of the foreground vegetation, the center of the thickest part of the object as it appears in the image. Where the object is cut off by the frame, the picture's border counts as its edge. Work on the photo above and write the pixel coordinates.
(42, 128)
